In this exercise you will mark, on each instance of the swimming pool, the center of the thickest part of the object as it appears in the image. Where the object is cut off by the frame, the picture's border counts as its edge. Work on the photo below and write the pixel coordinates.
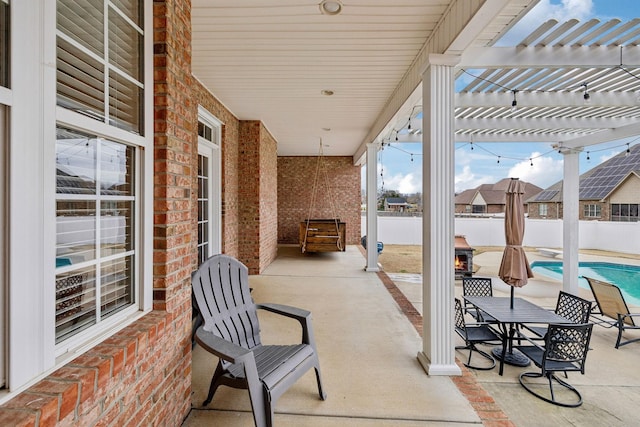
(626, 277)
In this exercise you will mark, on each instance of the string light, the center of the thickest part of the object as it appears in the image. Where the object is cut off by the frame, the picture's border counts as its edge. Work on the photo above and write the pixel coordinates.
(514, 103)
(518, 159)
(409, 125)
(586, 95)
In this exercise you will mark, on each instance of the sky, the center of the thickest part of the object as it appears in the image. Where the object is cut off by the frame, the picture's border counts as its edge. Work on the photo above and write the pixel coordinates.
(400, 165)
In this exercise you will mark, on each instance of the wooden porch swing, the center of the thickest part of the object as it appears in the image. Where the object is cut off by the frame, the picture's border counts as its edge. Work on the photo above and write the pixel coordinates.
(322, 235)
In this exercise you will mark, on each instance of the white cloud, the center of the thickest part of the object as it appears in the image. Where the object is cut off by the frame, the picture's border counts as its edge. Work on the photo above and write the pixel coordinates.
(467, 179)
(404, 184)
(544, 172)
(542, 12)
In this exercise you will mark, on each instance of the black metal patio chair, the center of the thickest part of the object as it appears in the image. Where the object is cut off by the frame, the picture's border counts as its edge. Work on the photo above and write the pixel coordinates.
(473, 334)
(571, 307)
(477, 287)
(565, 350)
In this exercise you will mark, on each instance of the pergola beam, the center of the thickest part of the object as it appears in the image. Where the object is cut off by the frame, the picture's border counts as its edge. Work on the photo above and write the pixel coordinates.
(549, 57)
(546, 99)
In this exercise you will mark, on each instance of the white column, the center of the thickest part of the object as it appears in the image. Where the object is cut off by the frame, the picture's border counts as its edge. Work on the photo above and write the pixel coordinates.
(438, 173)
(570, 220)
(372, 208)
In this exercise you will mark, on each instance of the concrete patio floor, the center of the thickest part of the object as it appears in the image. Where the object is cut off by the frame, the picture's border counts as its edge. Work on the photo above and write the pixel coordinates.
(368, 347)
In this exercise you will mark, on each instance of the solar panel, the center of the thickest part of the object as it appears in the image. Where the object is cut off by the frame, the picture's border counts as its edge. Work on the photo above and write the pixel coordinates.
(546, 195)
(609, 174)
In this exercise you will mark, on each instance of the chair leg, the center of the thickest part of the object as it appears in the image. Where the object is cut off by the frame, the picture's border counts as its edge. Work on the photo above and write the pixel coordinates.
(321, 392)
(487, 356)
(620, 329)
(550, 377)
(215, 382)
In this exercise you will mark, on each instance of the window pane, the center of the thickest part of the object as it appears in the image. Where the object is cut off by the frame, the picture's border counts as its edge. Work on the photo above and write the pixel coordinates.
(75, 162)
(116, 227)
(116, 169)
(116, 289)
(75, 301)
(131, 8)
(80, 81)
(615, 209)
(125, 103)
(75, 231)
(83, 21)
(124, 46)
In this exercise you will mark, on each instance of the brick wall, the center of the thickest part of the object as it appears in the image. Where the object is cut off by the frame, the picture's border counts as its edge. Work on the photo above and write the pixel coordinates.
(296, 176)
(136, 377)
(268, 198)
(257, 192)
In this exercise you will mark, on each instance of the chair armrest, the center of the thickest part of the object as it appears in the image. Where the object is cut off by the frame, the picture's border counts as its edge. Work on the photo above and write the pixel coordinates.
(285, 310)
(220, 347)
(621, 317)
(299, 314)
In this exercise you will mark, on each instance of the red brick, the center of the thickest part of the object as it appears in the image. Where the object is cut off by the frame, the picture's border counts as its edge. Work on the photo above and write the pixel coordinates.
(17, 418)
(66, 391)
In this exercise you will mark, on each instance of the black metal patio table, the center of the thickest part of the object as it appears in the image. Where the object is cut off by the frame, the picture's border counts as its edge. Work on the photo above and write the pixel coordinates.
(507, 318)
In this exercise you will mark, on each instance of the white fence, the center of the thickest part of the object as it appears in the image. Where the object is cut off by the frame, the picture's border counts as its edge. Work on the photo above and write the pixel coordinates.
(611, 236)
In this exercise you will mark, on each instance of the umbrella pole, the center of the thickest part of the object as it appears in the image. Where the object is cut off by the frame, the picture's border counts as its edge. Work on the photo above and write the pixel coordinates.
(512, 298)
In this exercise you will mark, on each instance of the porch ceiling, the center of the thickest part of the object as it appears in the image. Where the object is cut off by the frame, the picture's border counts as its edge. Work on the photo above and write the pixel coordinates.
(270, 60)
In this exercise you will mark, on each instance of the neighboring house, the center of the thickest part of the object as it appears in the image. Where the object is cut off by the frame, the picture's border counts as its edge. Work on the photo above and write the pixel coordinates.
(396, 204)
(489, 198)
(608, 192)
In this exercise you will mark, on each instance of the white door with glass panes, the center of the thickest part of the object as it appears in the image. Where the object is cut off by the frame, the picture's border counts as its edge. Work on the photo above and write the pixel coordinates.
(209, 186)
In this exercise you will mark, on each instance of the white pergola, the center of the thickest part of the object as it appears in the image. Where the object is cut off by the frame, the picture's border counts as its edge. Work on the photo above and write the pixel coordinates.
(573, 85)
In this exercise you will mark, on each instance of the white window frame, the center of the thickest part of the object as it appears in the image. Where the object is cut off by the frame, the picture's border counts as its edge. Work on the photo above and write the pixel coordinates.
(592, 210)
(213, 150)
(32, 353)
(543, 209)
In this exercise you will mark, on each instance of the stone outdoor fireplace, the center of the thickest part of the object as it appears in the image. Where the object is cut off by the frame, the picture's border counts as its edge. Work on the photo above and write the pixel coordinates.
(463, 260)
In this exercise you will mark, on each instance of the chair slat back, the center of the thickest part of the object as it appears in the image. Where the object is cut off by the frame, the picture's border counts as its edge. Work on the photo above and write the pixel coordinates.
(221, 288)
(477, 287)
(573, 308)
(567, 343)
(610, 299)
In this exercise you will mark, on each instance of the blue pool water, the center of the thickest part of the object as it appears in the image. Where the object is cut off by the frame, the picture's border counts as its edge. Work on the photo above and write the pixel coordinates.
(626, 277)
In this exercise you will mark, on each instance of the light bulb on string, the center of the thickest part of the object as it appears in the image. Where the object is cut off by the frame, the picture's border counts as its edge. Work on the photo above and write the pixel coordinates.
(588, 157)
(586, 96)
(514, 103)
(412, 158)
(409, 125)
(531, 160)
(498, 159)
(628, 151)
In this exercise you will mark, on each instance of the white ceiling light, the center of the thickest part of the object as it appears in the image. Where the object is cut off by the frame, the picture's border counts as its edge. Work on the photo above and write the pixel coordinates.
(330, 7)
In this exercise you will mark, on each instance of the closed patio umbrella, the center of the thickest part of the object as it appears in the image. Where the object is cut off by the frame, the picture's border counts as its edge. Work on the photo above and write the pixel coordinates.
(514, 268)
